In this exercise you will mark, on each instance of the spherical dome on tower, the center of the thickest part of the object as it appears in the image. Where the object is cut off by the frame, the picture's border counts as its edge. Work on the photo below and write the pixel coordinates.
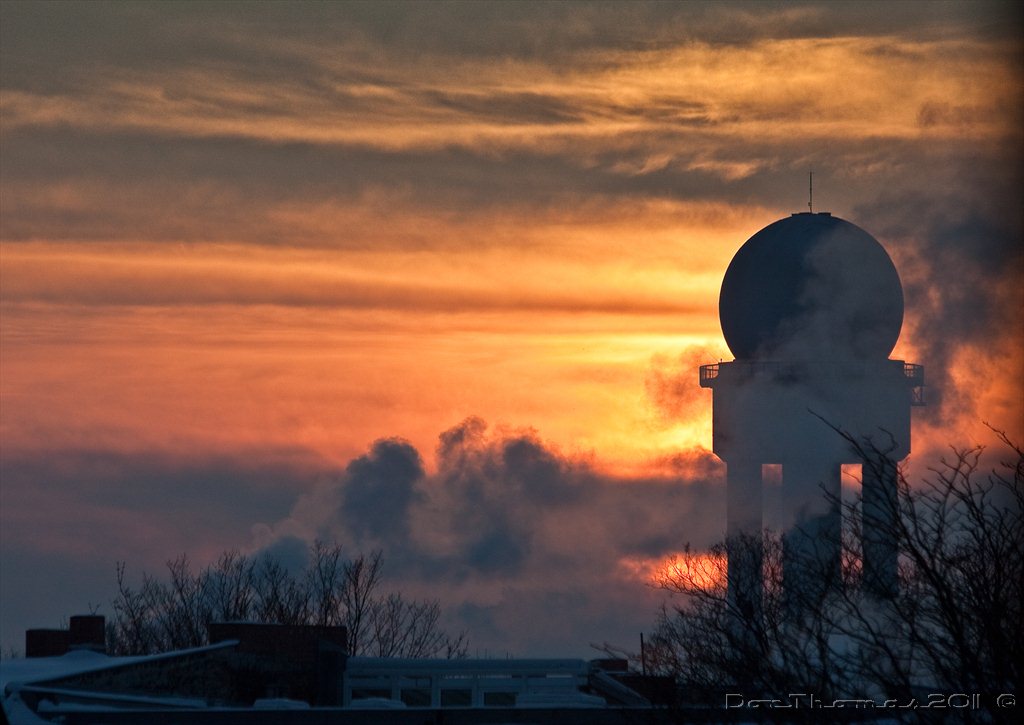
(811, 287)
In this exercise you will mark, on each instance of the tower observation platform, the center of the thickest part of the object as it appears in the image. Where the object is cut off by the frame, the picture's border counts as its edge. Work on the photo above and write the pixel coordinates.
(783, 370)
(811, 306)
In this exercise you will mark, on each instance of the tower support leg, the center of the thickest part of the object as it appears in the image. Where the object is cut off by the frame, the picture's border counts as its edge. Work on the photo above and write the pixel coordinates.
(879, 526)
(743, 537)
(812, 541)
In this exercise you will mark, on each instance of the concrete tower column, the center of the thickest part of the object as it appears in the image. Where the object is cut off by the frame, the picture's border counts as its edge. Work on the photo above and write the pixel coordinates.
(878, 525)
(812, 541)
(743, 535)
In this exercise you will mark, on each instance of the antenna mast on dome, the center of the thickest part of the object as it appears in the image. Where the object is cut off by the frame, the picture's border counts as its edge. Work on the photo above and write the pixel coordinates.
(810, 191)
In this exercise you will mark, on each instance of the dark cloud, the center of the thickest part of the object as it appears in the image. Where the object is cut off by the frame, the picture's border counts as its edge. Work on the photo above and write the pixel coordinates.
(937, 113)
(506, 512)
(494, 491)
(957, 246)
(231, 189)
(291, 552)
(211, 491)
(537, 471)
(503, 502)
(294, 63)
(506, 108)
(60, 44)
(498, 494)
(248, 178)
(378, 490)
(49, 46)
(503, 509)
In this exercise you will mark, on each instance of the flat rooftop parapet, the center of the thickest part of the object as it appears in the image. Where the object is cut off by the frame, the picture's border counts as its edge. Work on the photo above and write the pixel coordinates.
(375, 665)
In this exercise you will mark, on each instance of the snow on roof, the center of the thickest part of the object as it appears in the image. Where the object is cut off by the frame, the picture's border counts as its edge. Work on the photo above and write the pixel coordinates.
(42, 669)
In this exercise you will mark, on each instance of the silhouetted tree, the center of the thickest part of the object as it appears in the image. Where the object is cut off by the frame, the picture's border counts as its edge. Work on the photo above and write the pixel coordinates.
(954, 625)
(158, 616)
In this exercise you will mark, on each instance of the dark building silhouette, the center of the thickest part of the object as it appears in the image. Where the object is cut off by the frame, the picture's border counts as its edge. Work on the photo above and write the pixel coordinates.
(85, 631)
(811, 306)
(302, 675)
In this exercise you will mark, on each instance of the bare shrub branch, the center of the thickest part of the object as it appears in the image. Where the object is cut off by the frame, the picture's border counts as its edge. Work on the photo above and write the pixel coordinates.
(331, 590)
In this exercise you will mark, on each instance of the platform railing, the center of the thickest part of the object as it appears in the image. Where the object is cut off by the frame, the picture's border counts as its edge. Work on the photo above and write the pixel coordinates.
(913, 374)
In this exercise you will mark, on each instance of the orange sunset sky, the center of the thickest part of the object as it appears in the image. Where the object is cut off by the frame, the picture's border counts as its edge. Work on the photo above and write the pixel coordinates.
(243, 242)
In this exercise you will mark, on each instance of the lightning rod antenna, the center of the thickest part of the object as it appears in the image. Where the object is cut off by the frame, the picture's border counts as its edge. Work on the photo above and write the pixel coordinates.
(810, 191)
